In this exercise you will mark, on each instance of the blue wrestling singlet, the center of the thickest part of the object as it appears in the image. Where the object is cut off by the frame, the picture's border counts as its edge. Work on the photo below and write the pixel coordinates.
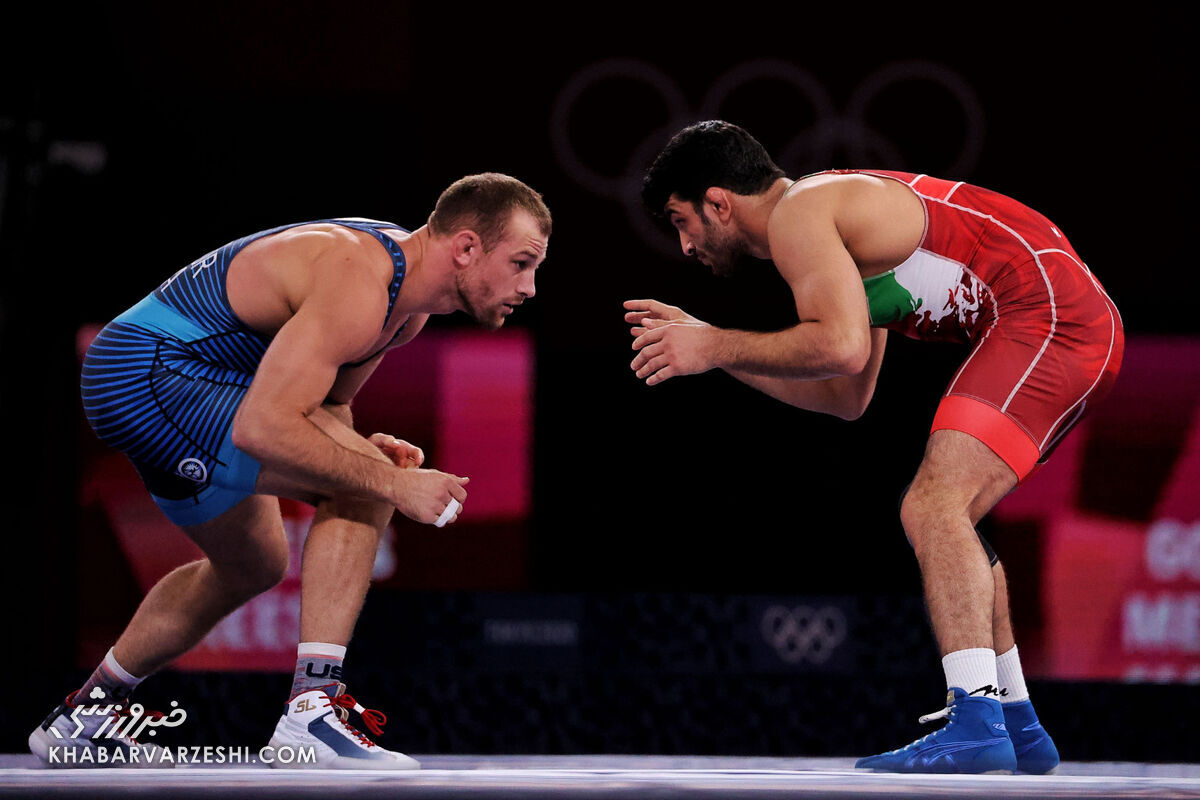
(163, 380)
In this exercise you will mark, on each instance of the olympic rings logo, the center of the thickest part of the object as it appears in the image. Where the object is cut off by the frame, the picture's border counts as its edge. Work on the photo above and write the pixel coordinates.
(833, 130)
(804, 633)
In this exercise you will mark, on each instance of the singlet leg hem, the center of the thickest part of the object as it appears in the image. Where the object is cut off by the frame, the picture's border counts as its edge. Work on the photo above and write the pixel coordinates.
(989, 425)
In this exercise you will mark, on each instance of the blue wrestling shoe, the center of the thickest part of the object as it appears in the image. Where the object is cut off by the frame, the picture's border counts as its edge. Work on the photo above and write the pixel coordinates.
(974, 741)
(1036, 753)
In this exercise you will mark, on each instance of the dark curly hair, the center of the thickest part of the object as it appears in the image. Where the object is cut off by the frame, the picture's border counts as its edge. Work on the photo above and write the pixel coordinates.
(711, 153)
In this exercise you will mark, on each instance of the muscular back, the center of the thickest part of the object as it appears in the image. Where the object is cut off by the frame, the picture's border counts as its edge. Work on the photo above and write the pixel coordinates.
(270, 279)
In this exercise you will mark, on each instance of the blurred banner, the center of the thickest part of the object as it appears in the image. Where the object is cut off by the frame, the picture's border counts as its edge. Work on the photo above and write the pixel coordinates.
(464, 397)
(1117, 514)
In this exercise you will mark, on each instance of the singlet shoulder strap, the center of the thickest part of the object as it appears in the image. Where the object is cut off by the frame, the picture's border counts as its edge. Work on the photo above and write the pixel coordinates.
(399, 265)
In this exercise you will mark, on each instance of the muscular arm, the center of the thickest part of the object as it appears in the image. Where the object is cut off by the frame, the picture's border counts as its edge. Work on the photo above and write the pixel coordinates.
(833, 338)
(351, 379)
(337, 319)
(846, 396)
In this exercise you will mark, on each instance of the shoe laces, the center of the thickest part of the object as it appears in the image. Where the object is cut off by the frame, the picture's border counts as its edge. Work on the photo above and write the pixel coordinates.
(373, 719)
(945, 712)
(948, 711)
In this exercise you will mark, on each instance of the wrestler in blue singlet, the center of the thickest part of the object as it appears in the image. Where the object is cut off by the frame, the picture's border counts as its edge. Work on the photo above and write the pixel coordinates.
(163, 380)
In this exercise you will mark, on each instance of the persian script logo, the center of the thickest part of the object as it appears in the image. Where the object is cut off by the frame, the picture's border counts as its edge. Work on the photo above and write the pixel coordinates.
(121, 722)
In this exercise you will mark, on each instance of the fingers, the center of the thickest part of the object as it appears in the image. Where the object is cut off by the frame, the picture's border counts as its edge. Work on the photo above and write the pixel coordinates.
(660, 376)
(449, 514)
(416, 455)
(429, 495)
(647, 353)
(649, 337)
(452, 499)
(653, 367)
(642, 306)
(637, 309)
(400, 452)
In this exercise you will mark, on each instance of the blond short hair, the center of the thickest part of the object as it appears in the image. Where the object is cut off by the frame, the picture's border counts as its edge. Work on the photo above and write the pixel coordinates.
(484, 203)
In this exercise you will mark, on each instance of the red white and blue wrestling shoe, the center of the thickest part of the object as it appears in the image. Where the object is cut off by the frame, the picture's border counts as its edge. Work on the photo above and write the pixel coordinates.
(313, 733)
(77, 735)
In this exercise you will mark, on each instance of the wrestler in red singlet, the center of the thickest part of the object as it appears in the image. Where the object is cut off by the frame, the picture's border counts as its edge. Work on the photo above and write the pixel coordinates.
(1047, 340)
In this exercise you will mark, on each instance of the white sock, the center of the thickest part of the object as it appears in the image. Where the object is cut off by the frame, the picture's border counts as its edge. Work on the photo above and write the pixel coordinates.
(124, 677)
(321, 649)
(111, 679)
(973, 671)
(1011, 678)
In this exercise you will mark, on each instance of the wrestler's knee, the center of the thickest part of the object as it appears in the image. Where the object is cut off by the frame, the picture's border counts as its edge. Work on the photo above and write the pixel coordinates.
(271, 570)
(916, 511)
(925, 511)
(248, 578)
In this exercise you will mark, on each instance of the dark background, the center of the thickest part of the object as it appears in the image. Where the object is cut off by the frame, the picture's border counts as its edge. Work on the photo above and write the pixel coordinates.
(202, 122)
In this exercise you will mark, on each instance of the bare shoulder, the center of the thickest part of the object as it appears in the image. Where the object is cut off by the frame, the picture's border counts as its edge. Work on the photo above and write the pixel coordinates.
(322, 240)
(877, 220)
(834, 189)
(806, 210)
(326, 265)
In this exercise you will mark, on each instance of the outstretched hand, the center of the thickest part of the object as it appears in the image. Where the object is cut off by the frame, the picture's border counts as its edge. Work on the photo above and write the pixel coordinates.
(638, 310)
(669, 341)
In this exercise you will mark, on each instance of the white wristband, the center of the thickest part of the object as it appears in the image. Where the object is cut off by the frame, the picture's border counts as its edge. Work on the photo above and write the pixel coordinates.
(451, 509)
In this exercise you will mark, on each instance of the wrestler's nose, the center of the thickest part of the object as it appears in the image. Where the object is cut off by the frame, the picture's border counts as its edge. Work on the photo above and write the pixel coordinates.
(689, 249)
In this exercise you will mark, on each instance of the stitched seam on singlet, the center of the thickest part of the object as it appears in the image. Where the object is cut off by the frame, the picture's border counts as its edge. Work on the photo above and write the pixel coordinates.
(1045, 279)
(912, 186)
(1006, 415)
(1086, 271)
(1046, 444)
(158, 361)
(974, 350)
(210, 337)
(1112, 340)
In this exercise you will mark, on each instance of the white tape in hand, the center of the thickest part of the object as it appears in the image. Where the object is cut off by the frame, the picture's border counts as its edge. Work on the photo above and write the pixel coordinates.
(449, 513)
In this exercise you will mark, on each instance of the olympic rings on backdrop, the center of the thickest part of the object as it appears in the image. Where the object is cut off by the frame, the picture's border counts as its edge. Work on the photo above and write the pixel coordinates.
(803, 633)
(814, 147)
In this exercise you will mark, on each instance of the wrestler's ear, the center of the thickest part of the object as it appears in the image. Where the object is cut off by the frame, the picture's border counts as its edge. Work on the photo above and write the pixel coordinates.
(719, 202)
(465, 247)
